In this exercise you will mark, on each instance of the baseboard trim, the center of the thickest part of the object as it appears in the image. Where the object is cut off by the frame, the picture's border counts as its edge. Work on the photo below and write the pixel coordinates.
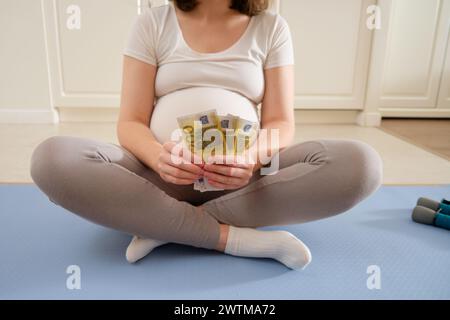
(28, 116)
(95, 114)
(414, 113)
(88, 114)
(368, 119)
(325, 116)
(301, 116)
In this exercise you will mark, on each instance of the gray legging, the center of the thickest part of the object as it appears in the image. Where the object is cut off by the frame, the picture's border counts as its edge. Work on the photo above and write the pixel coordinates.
(108, 185)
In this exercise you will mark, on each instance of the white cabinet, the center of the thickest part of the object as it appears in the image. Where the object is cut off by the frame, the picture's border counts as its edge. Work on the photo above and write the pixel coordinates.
(444, 91)
(410, 59)
(332, 51)
(85, 63)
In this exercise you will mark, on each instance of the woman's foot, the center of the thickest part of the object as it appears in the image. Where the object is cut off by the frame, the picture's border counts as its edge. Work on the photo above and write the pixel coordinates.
(140, 247)
(279, 245)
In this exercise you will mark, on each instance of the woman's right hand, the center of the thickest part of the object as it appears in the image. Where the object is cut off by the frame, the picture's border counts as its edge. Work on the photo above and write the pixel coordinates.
(175, 165)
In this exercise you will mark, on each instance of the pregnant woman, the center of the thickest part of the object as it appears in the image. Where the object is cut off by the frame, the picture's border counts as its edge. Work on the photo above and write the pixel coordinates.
(190, 56)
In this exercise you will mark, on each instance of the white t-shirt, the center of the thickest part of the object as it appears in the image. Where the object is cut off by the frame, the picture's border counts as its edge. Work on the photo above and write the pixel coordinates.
(157, 39)
(232, 76)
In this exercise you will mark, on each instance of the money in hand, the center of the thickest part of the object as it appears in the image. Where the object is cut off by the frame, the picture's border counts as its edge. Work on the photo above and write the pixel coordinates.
(207, 134)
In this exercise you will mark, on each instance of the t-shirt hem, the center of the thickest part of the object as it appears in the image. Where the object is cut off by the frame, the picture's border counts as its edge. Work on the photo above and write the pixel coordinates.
(140, 57)
(279, 64)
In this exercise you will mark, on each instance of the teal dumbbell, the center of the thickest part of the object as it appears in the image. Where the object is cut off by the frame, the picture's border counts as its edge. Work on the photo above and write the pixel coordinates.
(443, 207)
(429, 216)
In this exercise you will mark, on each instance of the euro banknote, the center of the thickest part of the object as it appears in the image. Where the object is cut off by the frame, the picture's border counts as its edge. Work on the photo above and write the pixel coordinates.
(208, 134)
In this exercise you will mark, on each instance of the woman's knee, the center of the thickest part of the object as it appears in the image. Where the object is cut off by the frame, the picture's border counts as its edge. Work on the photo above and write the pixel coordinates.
(363, 169)
(48, 160)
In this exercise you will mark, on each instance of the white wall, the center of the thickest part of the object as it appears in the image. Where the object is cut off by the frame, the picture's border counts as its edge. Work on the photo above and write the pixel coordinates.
(24, 79)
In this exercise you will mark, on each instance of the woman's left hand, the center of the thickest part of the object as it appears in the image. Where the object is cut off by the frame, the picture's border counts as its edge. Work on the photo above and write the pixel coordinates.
(228, 174)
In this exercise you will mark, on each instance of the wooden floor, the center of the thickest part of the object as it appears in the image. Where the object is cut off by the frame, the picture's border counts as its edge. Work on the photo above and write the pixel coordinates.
(430, 134)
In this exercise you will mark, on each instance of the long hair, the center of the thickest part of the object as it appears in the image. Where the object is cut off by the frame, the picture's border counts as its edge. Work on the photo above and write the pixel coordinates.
(248, 7)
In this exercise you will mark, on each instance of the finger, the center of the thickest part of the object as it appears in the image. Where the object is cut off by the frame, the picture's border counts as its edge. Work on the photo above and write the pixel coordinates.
(182, 164)
(191, 157)
(222, 179)
(220, 159)
(175, 180)
(179, 173)
(221, 185)
(179, 150)
(168, 146)
(193, 168)
(239, 165)
(228, 170)
(172, 159)
(175, 150)
(233, 161)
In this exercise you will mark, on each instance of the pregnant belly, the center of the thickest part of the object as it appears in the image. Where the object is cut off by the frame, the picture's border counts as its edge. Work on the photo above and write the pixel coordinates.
(193, 100)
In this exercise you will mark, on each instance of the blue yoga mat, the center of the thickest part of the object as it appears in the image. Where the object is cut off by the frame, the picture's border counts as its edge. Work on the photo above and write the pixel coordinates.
(39, 240)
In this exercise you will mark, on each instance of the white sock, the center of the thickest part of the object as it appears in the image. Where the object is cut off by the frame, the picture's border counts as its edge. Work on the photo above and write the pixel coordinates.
(279, 245)
(140, 247)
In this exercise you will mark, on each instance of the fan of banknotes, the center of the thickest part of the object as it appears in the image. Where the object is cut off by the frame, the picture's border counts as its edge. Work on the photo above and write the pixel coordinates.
(208, 134)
